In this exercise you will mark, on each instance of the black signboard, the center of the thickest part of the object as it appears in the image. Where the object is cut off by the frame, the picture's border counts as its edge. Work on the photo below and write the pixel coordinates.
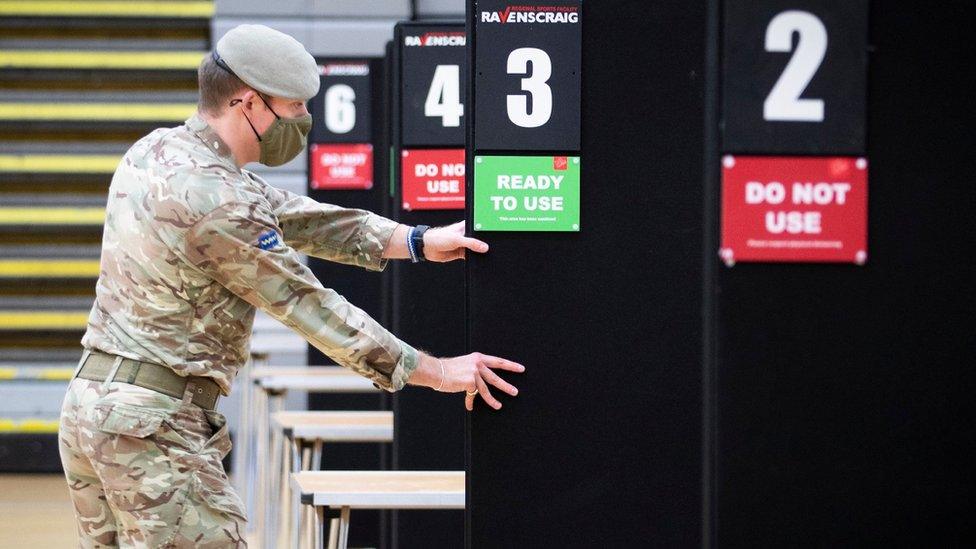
(341, 110)
(794, 76)
(433, 68)
(527, 78)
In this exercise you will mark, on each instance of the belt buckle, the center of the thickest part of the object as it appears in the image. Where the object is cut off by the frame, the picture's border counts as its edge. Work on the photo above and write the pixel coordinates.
(199, 389)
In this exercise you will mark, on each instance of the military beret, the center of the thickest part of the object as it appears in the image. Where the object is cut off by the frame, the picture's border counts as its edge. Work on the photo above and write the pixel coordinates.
(269, 61)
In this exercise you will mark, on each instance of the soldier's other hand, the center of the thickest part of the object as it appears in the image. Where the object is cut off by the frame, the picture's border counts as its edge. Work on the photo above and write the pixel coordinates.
(448, 243)
(472, 374)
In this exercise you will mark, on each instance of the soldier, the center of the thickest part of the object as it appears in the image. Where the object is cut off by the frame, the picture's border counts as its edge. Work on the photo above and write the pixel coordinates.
(192, 245)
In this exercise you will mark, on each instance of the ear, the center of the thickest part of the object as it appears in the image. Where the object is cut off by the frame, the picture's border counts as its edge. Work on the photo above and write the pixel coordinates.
(248, 99)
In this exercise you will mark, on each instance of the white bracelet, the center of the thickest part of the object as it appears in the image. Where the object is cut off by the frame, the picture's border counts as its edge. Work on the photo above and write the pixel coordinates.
(441, 362)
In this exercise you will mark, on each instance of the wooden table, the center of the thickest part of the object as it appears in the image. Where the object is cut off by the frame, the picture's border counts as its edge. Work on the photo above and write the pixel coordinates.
(260, 398)
(348, 490)
(304, 434)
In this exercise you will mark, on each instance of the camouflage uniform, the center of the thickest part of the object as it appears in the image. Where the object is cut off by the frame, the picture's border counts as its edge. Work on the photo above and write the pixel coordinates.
(192, 244)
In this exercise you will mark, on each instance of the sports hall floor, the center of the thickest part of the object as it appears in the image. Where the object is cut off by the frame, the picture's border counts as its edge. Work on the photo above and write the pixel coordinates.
(35, 512)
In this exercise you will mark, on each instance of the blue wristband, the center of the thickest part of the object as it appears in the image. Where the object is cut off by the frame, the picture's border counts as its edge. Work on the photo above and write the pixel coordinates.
(417, 243)
(410, 246)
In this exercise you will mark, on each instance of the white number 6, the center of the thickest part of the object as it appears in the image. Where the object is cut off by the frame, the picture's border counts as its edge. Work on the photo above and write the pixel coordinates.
(784, 103)
(535, 84)
(340, 109)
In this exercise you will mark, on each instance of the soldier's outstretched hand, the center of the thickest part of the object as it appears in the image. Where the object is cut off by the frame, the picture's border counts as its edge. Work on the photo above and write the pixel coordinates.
(473, 373)
(448, 243)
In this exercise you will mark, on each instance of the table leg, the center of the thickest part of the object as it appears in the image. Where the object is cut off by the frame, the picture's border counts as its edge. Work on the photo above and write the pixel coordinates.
(296, 509)
(344, 528)
(260, 498)
(283, 501)
(305, 539)
(316, 463)
(319, 520)
(243, 453)
(333, 534)
(275, 404)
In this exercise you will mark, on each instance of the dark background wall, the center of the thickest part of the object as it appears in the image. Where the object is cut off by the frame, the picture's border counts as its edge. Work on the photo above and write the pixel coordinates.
(845, 393)
(368, 291)
(427, 311)
(672, 401)
(602, 447)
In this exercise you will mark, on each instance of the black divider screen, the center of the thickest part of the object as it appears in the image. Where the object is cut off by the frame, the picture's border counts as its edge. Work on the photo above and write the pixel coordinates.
(365, 290)
(845, 392)
(602, 447)
(428, 313)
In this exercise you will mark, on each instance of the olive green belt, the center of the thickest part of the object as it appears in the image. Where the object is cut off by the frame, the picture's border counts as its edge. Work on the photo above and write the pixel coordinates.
(150, 376)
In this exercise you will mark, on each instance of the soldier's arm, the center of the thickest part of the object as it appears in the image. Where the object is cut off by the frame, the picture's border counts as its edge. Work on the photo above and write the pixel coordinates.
(240, 246)
(326, 231)
(343, 234)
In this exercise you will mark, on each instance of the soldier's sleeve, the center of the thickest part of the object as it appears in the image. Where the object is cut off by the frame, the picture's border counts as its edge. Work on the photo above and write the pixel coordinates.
(345, 235)
(240, 247)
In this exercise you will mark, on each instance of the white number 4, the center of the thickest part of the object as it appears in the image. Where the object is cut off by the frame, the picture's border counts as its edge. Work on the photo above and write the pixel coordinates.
(784, 103)
(444, 97)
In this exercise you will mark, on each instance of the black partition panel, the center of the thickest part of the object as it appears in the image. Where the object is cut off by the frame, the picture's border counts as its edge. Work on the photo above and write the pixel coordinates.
(845, 392)
(602, 447)
(364, 289)
(674, 401)
(428, 298)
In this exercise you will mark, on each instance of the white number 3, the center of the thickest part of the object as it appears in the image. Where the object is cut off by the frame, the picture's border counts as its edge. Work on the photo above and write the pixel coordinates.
(784, 103)
(535, 84)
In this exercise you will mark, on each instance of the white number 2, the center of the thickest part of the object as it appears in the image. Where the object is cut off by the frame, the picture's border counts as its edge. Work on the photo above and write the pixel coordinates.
(784, 103)
(535, 84)
(340, 108)
(444, 97)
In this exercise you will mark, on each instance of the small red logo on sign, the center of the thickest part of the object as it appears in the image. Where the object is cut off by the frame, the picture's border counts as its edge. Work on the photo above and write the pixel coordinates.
(560, 162)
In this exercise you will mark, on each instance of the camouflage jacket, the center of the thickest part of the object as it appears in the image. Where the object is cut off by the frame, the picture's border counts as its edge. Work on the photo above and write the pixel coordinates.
(192, 244)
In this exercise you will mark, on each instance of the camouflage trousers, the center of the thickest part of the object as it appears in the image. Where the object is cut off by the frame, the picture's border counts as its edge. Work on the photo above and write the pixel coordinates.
(144, 469)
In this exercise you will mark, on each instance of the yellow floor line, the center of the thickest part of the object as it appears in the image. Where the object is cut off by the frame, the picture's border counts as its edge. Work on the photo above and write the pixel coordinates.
(56, 374)
(52, 216)
(59, 163)
(66, 59)
(101, 8)
(28, 426)
(176, 112)
(42, 374)
(53, 268)
(42, 320)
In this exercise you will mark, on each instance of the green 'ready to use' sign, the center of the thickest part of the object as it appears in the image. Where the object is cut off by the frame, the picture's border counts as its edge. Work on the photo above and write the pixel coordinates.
(526, 193)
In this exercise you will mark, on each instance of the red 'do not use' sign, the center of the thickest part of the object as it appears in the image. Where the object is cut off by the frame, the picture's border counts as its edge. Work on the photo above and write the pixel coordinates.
(335, 166)
(433, 179)
(794, 209)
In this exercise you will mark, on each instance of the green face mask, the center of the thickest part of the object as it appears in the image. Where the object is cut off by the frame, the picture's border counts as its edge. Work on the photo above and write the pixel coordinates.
(284, 139)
